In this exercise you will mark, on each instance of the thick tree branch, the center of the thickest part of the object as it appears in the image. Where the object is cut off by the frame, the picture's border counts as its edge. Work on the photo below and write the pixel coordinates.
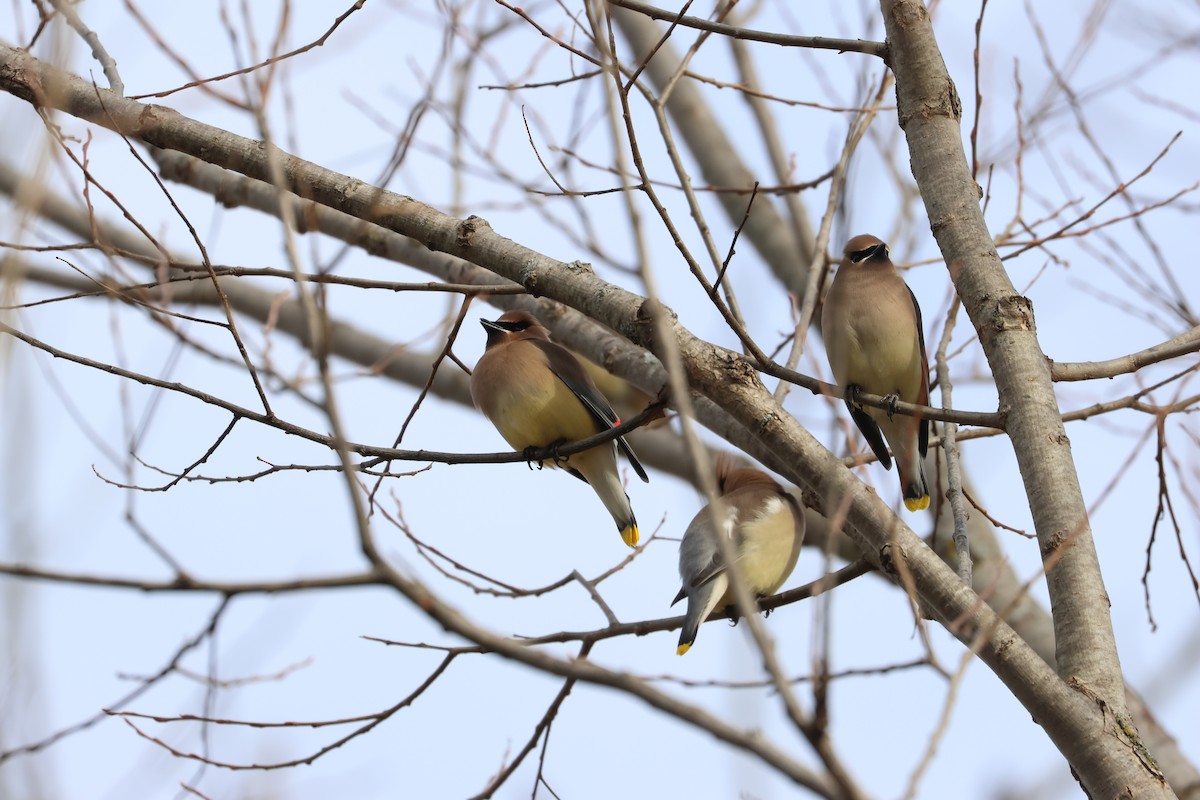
(929, 112)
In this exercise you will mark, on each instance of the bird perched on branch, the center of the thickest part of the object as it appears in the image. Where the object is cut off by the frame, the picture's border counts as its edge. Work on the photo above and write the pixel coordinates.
(764, 526)
(874, 340)
(538, 395)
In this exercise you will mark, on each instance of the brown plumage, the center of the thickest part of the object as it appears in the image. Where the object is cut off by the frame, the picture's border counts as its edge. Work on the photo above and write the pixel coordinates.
(874, 340)
(765, 528)
(537, 394)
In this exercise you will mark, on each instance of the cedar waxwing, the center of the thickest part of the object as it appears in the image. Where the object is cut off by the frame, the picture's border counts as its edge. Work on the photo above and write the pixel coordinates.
(873, 337)
(537, 395)
(765, 527)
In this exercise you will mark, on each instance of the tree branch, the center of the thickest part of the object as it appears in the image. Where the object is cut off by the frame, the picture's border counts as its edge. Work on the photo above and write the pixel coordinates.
(1184, 343)
(1074, 722)
(929, 111)
(877, 49)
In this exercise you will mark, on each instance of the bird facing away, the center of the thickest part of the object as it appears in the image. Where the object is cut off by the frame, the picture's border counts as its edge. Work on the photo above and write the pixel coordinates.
(873, 338)
(537, 395)
(765, 528)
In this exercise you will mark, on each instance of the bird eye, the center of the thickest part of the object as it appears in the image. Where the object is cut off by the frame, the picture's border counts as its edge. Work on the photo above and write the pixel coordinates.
(880, 250)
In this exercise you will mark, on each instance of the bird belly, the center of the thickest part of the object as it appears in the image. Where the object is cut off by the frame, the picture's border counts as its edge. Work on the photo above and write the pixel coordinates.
(882, 361)
(529, 405)
(532, 415)
(768, 549)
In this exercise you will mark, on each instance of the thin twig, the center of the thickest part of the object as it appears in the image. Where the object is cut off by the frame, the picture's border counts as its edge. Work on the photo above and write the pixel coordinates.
(543, 727)
(877, 49)
(266, 63)
(107, 62)
(954, 483)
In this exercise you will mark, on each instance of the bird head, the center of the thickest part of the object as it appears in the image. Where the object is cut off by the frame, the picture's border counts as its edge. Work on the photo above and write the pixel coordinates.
(730, 477)
(514, 325)
(864, 247)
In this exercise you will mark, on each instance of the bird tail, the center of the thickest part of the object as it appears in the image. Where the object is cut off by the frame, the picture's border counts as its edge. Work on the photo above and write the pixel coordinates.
(916, 488)
(599, 468)
(687, 636)
(701, 602)
(905, 435)
(630, 535)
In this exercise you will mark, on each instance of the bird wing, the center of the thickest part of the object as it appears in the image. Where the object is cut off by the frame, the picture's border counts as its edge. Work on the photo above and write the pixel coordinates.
(708, 554)
(870, 431)
(923, 397)
(711, 570)
(568, 370)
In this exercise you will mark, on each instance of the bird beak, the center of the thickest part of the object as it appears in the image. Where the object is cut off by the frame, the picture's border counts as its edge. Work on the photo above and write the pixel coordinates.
(491, 325)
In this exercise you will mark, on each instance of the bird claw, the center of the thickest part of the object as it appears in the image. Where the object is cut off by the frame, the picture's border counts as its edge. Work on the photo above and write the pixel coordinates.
(558, 459)
(530, 460)
(891, 400)
(852, 393)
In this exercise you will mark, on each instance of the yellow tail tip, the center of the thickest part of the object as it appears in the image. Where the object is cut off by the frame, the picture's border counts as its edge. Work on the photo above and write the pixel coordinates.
(916, 503)
(683, 648)
(629, 535)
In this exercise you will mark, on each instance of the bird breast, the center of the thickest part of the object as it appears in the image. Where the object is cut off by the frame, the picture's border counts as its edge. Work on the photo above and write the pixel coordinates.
(768, 545)
(526, 401)
(880, 350)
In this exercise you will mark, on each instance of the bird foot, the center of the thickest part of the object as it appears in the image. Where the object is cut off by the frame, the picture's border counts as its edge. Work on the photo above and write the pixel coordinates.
(891, 400)
(530, 460)
(852, 393)
(559, 460)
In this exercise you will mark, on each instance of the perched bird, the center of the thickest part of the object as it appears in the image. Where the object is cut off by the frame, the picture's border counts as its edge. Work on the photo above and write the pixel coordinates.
(537, 395)
(875, 344)
(764, 526)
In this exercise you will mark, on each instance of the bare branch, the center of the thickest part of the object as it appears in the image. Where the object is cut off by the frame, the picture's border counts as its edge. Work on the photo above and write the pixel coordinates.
(877, 49)
(1182, 344)
(107, 62)
(266, 63)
